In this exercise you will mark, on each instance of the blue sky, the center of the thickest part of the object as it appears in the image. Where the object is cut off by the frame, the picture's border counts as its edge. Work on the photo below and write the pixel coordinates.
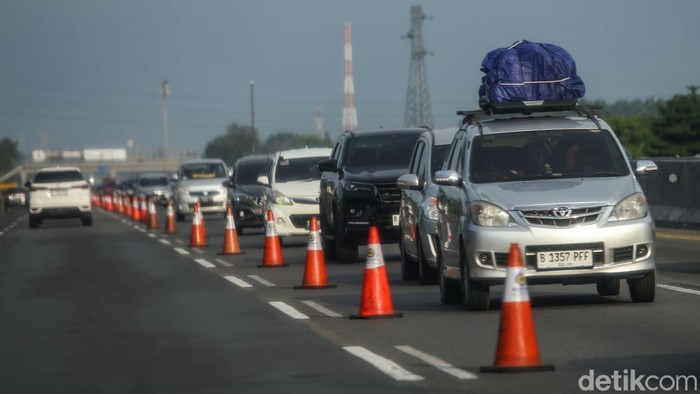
(87, 73)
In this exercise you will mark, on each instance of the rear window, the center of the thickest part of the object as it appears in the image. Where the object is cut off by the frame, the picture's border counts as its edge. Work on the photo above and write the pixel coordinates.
(58, 176)
(545, 154)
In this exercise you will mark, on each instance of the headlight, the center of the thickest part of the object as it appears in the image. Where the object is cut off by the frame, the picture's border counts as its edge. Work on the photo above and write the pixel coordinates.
(358, 187)
(242, 197)
(430, 210)
(279, 198)
(489, 215)
(631, 207)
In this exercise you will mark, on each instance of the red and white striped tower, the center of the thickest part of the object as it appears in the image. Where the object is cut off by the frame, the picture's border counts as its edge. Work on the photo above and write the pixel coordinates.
(349, 110)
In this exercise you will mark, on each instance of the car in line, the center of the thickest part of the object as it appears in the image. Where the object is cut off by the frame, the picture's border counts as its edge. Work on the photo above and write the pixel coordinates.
(246, 193)
(59, 193)
(15, 197)
(291, 189)
(559, 185)
(418, 214)
(203, 180)
(155, 185)
(358, 189)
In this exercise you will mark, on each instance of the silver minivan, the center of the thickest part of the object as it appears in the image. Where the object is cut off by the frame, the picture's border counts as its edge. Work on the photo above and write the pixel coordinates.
(203, 180)
(557, 184)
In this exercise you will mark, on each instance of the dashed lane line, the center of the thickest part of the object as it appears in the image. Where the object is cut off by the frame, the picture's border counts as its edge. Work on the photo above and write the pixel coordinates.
(182, 251)
(204, 263)
(383, 364)
(262, 281)
(224, 262)
(679, 289)
(288, 310)
(322, 309)
(237, 282)
(437, 363)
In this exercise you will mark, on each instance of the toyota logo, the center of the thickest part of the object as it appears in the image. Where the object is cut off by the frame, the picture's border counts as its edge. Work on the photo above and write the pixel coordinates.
(562, 212)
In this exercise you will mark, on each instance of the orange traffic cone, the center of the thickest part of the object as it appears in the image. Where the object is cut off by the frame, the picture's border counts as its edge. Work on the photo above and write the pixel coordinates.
(272, 257)
(108, 203)
(197, 236)
(376, 299)
(231, 245)
(127, 206)
(315, 270)
(144, 210)
(170, 219)
(517, 349)
(152, 215)
(135, 211)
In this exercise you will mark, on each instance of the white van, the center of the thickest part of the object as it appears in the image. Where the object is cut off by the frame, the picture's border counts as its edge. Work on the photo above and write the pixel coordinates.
(292, 189)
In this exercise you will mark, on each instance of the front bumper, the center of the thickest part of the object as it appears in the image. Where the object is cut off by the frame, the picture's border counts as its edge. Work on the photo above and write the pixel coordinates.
(293, 219)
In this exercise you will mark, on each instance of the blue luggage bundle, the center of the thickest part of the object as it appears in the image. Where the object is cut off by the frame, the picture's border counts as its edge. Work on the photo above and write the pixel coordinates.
(526, 73)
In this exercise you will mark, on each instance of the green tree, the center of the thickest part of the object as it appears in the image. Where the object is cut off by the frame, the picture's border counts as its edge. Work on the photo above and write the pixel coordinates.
(9, 155)
(636, 133)
(238, 141)
(288, 140)
(678, 126)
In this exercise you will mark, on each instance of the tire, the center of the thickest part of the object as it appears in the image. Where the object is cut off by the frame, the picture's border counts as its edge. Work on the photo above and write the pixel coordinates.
(409, 266)
(427, 275)
(86, 220)
(476, 295)
(450, 290)
(643, 289)
(34, 221)
(329, 250)
(608, 287)
(179, 217)
(346, 249)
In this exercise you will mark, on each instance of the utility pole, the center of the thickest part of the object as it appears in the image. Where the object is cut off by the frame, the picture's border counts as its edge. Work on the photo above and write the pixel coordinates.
(252, 113)
(349, 109)
(165, 90)
(418, 111)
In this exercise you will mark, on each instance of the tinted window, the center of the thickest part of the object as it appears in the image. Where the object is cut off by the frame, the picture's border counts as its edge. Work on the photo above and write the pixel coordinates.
(390, 151)
(153, 181)
(545, 154)
(438, 157)
(58, 176)
(247, 173)
(298, 169)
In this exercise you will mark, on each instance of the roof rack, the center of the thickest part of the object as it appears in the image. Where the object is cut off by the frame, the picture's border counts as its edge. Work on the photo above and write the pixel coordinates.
(489, 109)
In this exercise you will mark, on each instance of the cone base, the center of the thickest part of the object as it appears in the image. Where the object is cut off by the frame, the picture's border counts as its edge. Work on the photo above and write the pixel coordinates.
(196, 246)
(273, 266)
(315, 287)
(384, 316)
(527, 368)
(224, 253)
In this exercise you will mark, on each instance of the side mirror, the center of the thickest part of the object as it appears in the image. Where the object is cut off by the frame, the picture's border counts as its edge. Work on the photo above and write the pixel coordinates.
(408, 182)
(174, 178)
(27, 184)
(227, 184)
(447, 178)
(263, 180)
(328, 165)
(645, 167)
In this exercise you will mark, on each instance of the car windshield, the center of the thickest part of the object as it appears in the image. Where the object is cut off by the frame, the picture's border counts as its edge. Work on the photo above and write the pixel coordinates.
(154, 181)
(298, 169)
(385, 151)
(203, 171)
(57, 176)
(545, 154)
(248, 173)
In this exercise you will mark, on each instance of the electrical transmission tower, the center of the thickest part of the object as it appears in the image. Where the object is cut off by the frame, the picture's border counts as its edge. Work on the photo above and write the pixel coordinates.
(418, 112)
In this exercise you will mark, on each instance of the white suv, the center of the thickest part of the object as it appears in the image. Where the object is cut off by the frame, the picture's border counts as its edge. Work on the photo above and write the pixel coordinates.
(292, 189)
(59, 192)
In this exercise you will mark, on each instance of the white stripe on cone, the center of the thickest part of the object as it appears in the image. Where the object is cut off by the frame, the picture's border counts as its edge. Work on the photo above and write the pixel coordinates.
(515, 285)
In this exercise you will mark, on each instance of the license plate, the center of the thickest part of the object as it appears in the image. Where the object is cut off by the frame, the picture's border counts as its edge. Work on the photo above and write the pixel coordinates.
(395, 220)
(59, 192)
(562, 259)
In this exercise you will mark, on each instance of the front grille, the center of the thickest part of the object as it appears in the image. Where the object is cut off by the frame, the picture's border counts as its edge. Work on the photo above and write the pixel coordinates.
(578, 216)
(389, 193)
(205, 193)
(300, 221)
(622, 254)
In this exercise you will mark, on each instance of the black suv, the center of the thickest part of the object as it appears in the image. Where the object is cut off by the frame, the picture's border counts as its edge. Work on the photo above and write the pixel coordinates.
(358, 189)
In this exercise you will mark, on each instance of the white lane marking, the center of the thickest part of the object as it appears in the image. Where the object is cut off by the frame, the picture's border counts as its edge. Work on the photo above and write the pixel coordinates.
(262, 280)
(151, 235)
(181, 251)
(205, 263)
(322, 309)
(288, 310)
(383, 364)
(237, 282)
(679, 289)
(180, 241)
(164, 241)
(200, 251)
(2, 233)
(224, 262)
(437, 363)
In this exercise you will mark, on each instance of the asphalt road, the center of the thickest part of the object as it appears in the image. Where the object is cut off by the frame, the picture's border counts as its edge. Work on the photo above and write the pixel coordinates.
(117, 308)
